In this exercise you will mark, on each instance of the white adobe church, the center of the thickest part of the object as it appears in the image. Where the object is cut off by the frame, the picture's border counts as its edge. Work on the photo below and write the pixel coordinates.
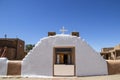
(63, 55)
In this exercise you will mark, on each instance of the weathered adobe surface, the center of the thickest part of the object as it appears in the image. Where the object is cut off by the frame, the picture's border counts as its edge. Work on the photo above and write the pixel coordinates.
(14, 67)
(113, 66)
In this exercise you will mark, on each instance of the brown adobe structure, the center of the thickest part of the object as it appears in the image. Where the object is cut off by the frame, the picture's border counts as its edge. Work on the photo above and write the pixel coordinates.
(12, 48)
(111, 53)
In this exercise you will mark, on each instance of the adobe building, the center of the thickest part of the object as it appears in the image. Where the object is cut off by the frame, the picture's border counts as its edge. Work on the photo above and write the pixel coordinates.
(60, 55)
(111, 53)
(12, 48)
(63, 55)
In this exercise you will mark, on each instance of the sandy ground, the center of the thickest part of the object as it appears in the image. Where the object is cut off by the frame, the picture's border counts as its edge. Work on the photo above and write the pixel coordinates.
(110, 77)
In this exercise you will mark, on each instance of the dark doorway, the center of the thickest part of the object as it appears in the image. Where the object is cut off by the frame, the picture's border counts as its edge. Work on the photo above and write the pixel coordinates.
(65, 59)
(64, 56)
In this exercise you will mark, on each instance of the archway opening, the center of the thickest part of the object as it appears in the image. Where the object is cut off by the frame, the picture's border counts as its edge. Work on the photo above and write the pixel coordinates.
(64, 61)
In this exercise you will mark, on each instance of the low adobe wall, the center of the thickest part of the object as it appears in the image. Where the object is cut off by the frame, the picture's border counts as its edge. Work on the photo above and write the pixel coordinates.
(14, 68)
(113, 66)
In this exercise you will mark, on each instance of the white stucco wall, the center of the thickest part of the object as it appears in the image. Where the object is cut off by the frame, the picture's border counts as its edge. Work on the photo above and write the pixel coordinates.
(39, 61)
(3, 66)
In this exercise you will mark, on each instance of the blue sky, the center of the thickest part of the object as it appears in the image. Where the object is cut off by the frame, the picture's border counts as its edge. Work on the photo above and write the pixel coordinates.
(98, 21)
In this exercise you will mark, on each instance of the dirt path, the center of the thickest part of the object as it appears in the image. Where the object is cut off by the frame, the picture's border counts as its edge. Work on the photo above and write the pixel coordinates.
(110, 77)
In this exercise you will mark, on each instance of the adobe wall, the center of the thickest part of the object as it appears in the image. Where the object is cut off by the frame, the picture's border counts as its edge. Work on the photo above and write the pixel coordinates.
(113, 67)
(14, 68)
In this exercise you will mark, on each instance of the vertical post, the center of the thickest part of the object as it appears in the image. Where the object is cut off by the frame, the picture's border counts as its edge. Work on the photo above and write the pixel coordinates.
(58, 59)
(68, 58)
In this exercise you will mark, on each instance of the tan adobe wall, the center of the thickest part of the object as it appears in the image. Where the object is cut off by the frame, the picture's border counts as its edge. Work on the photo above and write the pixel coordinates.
(20, 50)
(113, 67)
(10, 53)
(14, 68)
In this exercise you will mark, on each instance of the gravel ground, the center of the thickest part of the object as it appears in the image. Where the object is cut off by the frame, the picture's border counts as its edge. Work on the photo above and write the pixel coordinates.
(110, 77)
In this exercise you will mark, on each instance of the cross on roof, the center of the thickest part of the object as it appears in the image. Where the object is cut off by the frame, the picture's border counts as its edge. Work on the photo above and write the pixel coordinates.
(63, 30)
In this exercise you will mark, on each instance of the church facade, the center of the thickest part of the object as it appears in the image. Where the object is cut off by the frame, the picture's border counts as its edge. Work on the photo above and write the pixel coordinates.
(63, 55)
